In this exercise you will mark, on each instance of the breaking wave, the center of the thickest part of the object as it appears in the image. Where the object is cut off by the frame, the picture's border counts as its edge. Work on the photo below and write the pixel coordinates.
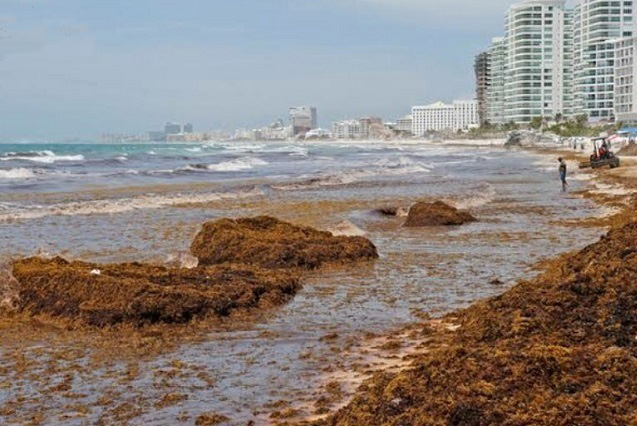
(115, 206)
(244, 163)
(385, 167)
(18, 173)
(46, 157)
(473, 200)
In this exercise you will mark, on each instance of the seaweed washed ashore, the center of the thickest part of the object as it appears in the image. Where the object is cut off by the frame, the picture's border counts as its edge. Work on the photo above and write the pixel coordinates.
(244, 264)
(557, 350)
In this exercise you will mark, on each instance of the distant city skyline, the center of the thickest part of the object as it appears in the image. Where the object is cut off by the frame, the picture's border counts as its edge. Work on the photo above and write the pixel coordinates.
(71, 70)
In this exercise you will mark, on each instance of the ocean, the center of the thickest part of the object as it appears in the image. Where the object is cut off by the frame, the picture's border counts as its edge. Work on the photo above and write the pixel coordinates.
(145, 202)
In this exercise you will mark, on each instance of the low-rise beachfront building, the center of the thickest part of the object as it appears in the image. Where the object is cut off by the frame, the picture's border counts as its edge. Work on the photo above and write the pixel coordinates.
(367, 123)
(625, 104)
(597, 24)
(404, 124)
(439, 117)
(348, 129)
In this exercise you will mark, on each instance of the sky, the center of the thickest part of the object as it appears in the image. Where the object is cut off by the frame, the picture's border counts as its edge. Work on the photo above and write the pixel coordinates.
(80, 68)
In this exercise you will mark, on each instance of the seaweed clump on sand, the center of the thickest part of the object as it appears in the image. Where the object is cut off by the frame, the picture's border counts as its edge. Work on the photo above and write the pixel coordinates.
(244, 265)
(436, 214)
(270, 243)
(140, 295)
(558, 350)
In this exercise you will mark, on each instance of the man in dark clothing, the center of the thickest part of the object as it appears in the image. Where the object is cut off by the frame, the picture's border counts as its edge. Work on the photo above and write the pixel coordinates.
(563, 173)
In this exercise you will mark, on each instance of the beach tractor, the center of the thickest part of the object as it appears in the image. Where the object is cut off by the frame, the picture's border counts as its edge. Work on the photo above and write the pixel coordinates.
(602, 156)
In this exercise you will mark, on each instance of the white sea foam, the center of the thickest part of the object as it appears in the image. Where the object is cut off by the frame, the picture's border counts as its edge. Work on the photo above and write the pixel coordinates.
(239, 164)
(115, 206)
(242, 146)
(347, 229)
(472, 201)
(384, 167)
(618, 190)
(17, 173)
(45, 157)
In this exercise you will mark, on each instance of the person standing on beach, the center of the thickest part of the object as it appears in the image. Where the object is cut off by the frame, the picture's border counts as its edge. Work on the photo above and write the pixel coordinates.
(563, 173)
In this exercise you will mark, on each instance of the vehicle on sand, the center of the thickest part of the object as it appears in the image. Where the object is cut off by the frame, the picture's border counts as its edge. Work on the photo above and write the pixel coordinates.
(602, 156)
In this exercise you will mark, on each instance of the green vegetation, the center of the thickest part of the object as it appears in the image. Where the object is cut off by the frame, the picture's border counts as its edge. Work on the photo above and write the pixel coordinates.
(488, 129)
(578, 127)
(561, 126)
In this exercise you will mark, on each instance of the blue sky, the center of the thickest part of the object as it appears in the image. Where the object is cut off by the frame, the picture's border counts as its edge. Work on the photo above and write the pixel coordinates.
(83, 67)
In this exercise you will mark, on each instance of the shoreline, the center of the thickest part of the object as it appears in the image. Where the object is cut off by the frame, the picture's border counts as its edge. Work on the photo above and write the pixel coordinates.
(615, 190)
(383, 352)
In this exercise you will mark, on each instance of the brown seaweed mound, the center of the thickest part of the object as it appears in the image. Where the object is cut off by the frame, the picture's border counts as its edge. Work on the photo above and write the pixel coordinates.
(270, 243)
(387, 211)
(106, 295)
(436, 214)
(559, 350)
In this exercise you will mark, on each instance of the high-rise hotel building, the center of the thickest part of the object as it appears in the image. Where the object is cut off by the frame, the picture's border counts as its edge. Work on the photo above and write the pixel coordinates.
(536, 66)
(495, 89)
(625, 84)
(482, 69)
(555, 61)
(439, 117)
(597, 24)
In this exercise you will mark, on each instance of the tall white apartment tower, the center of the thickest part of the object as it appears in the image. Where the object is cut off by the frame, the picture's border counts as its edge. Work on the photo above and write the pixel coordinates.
(495, 90)
(597, 24)
(625, 84)
(535, 64)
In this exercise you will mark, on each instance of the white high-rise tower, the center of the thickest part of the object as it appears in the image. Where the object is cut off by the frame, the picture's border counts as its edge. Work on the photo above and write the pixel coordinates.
(597, 24)
(536, 64)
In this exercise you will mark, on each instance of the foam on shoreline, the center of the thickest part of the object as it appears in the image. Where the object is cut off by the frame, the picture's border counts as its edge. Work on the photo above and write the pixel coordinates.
(116, 206)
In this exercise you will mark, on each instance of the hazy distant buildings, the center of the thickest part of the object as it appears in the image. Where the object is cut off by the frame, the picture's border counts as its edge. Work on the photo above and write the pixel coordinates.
(363, 128)
(124, 137)
(317, 134)
(172, 129)
(276, 131)
(157, 136)
(404, 124)
(174, 132)
(625, 87)
(303, 119)
(370, 125)
(440, 117)
(348, 129)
